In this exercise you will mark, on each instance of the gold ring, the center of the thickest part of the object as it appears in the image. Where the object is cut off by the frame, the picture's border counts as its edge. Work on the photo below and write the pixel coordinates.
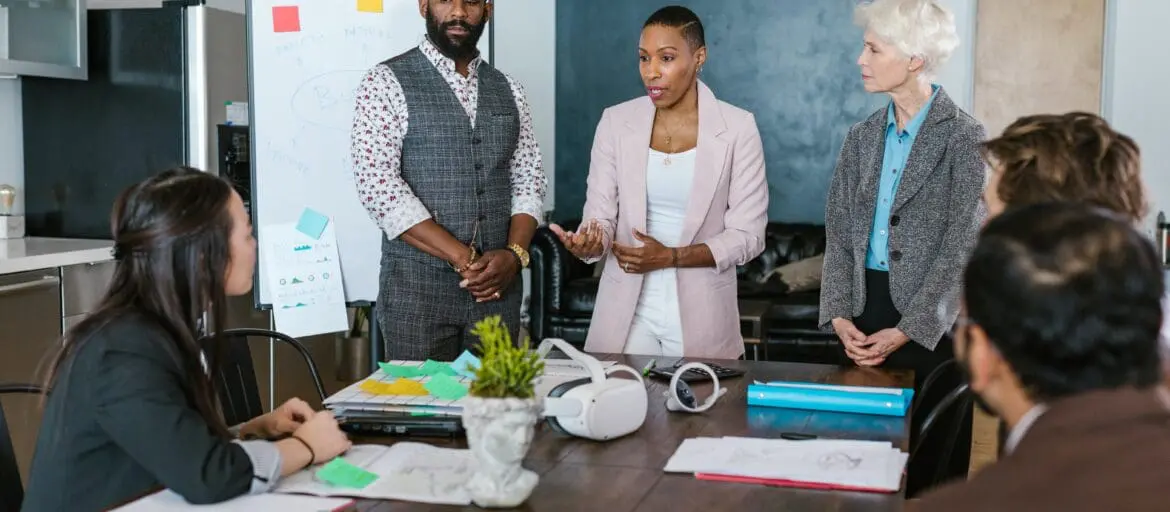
(496, 295)
(627, 266)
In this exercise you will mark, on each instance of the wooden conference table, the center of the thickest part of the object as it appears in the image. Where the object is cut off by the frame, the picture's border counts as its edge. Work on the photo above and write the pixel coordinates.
(626, 474)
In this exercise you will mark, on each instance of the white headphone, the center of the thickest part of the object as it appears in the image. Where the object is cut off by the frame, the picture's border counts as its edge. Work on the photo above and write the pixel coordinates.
(680, 397)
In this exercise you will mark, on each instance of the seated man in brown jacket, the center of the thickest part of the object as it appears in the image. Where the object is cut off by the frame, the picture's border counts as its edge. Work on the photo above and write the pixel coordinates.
(1059, 337)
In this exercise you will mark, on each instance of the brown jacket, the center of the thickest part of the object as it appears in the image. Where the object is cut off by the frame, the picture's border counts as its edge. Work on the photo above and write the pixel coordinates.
(1105, 450)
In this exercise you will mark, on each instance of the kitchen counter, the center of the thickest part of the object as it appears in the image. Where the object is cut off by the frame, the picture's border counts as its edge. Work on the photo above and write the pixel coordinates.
(22, 254)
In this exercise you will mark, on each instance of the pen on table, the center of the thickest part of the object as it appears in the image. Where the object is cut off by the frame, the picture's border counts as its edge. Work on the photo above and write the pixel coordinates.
(797, 436)
(646, 369)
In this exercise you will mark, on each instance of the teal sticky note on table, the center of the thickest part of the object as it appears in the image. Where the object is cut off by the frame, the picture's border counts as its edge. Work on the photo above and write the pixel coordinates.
(340, 473)
(436, 368)
(399, 371)
(312, 223)
(466, 364)
(444, 387)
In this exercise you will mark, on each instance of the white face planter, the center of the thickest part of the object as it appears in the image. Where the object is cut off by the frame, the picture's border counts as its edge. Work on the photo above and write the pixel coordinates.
(499, 432)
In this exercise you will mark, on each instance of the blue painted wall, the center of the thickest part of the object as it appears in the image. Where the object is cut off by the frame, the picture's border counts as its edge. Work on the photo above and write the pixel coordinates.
(790, 62)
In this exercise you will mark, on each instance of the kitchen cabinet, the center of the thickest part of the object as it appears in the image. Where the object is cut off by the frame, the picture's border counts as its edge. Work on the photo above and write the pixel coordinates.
(82, 287)
(45, 38)
(30, 313)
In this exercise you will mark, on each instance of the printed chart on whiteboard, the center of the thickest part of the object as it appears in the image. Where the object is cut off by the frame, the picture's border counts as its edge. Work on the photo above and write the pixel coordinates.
(304, 275)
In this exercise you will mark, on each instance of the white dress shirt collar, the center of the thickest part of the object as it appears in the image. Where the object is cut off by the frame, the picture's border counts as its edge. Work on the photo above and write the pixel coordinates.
(1021, 428)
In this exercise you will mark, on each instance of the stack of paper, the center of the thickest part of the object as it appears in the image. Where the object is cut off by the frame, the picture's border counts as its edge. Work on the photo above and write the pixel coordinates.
(169, 500)
(404, 471)
(815, 463)
(830, 397)
(433, 387)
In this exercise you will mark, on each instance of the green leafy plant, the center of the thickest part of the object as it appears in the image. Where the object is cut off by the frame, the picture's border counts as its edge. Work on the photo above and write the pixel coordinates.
(360, 315)
(505, 370)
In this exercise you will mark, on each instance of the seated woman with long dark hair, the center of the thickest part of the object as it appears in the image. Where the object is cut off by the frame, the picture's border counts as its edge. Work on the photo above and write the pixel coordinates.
(131, 406)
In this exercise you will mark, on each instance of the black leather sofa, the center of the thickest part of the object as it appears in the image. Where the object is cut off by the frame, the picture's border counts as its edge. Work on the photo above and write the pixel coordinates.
(563, 291)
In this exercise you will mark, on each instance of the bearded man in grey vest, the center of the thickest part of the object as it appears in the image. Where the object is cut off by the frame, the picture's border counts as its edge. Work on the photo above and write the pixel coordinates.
(446, 162)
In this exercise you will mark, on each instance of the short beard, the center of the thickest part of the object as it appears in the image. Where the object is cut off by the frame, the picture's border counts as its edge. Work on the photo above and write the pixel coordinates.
(456, 49)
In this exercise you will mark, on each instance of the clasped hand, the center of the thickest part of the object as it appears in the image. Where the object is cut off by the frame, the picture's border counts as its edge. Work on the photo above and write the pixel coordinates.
(869, 350)
(319, 430)
(490, 275)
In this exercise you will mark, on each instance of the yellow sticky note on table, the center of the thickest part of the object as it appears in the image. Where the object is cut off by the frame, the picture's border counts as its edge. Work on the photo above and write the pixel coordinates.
(369, 5)
(397, 387)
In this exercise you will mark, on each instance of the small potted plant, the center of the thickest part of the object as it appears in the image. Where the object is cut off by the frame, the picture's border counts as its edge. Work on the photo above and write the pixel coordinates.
(351, 351)
(500, 416)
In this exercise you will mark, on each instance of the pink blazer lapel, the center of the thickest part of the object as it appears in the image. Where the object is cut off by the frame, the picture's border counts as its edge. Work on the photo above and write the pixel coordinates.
(710, 161)
(634, 151)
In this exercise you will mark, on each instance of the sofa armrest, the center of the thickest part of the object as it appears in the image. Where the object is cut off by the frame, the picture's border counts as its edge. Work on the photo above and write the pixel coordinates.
(551, 268)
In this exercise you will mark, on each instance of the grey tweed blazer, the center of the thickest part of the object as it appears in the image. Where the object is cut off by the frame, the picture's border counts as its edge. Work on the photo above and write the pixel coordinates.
(934, 221)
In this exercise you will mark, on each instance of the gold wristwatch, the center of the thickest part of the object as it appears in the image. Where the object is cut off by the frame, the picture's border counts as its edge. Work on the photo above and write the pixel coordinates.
(521, 254)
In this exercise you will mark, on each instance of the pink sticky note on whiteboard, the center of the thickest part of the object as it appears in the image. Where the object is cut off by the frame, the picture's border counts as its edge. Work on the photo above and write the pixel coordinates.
(286, 19)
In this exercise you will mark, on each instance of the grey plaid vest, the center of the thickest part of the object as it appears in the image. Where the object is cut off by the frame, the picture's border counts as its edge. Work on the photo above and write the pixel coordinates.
(460, 173)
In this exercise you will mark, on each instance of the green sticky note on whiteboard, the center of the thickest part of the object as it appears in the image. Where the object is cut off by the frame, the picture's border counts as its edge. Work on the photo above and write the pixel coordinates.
(444, 387)
(312, 223)
(340, 473)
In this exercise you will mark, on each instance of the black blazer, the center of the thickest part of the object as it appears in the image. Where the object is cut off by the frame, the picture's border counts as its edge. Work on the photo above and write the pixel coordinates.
(119, 424)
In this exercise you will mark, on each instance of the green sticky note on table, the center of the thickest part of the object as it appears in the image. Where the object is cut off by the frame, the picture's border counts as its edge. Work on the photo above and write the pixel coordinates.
(340, 473)
(444, 387)
(312, 223)
(436, 368)
(401, 372)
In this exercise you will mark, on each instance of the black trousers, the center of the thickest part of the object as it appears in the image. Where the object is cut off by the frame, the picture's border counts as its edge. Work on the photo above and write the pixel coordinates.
(936, 462)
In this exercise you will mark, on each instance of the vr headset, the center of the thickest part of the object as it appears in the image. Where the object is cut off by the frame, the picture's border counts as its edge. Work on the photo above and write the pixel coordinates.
(595, 407)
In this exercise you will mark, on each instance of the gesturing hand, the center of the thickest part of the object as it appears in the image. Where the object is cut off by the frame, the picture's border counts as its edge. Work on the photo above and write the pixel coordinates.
(652, 255)
(285, 419)
(585, 243)
(491, 274)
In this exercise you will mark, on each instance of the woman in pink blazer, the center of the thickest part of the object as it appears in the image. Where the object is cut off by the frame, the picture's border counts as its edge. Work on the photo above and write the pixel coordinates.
(677, 199)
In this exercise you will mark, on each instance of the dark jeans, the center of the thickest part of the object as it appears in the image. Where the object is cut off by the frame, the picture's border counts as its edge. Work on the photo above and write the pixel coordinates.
(943, 457)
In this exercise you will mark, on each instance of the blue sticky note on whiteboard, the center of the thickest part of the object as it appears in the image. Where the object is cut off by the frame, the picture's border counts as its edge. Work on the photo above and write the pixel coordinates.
(312, 223)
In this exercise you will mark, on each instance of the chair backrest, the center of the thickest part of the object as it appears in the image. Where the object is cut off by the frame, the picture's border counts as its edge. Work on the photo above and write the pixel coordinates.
(11, 489)
(938, 428)
(239, 394)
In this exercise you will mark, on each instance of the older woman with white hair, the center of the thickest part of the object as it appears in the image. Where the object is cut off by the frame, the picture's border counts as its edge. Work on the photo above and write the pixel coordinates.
(904, 209)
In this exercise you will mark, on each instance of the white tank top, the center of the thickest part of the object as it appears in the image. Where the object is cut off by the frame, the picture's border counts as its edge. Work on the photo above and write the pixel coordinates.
(668, 189)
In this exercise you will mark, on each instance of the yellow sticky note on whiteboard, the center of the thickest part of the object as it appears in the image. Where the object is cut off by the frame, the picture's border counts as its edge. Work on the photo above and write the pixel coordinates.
(369, 5)
(398, 387)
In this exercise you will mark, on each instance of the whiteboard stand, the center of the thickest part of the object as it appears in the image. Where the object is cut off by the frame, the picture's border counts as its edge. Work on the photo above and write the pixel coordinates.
(377, 344)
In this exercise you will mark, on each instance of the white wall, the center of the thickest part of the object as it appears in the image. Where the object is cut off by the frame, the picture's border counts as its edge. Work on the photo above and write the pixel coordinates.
(525, 47)
(958, 74)
(12, 139)
(1135, 98)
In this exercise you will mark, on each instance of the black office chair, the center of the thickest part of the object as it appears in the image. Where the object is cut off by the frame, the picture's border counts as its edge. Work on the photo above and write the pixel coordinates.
(11, 490)
(938, 429)
(239, 393)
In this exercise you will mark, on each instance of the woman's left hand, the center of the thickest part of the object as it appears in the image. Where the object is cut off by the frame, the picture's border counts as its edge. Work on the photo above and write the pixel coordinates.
(652, 255)
(883, 343)
(281, 421)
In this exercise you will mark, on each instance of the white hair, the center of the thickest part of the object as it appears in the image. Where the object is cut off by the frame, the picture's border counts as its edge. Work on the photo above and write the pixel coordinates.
(917, 28)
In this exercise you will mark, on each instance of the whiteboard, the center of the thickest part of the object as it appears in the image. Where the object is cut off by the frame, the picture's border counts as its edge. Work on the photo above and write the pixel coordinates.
(301, 91)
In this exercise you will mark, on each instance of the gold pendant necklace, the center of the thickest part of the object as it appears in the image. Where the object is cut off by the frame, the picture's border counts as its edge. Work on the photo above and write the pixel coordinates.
(670, 146)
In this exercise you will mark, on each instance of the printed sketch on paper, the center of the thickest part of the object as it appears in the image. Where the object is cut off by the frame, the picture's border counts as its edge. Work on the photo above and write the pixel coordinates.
(838, 461)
